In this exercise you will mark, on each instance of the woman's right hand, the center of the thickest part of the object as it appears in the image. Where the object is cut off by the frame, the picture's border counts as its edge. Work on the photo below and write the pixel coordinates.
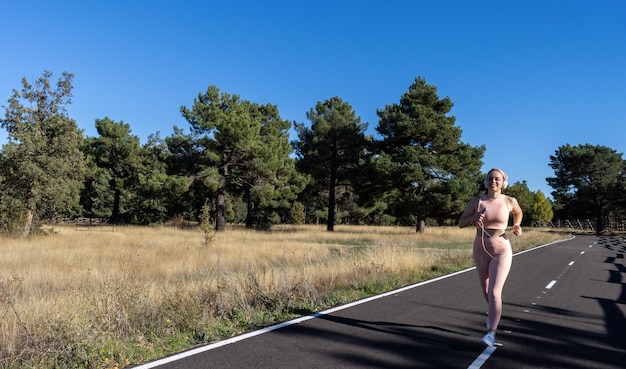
(480, 216)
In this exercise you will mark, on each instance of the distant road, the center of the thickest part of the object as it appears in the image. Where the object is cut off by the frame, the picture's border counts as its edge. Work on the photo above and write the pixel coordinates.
(564, 307)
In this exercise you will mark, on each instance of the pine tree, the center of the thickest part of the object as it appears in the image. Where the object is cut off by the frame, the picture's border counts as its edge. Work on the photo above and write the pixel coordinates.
(331, 150)
(117, 155)
(588, 181)
(271, 183)
(428, 171)
(243, 150)
(157, 193)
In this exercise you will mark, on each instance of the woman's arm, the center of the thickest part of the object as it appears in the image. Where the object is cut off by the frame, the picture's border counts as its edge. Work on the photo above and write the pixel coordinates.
(470, 215)
(516, 210)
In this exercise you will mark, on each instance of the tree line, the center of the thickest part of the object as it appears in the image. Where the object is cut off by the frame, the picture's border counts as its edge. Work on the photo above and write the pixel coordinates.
(237, 164)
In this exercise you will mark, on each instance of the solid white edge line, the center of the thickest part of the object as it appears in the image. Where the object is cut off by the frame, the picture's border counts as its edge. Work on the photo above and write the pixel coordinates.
(542, 246)
(274, 327)
(482, 358)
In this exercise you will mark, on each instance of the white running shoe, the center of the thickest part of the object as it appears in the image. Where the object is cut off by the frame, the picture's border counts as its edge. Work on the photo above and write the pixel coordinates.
(489, 339)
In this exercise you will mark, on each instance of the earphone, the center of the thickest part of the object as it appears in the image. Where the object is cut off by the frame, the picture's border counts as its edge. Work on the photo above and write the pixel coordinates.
(505, 183)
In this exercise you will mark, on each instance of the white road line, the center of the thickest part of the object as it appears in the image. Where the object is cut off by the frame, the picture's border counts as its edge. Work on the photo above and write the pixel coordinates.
(571, 263)
(482, 358)
(242, 337)
(550, 285)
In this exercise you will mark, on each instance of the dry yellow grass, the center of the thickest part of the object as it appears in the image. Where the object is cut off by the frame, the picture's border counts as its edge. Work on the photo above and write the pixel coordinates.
(114, 297)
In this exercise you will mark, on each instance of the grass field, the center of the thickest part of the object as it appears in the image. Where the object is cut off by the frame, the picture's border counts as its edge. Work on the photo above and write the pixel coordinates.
(102, 298)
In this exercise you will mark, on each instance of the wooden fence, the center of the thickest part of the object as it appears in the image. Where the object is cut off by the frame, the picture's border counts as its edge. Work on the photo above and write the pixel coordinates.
(93, 223)
(583, 224)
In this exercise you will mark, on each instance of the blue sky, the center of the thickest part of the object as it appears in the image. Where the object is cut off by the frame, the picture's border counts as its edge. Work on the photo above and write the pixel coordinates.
(525, 76)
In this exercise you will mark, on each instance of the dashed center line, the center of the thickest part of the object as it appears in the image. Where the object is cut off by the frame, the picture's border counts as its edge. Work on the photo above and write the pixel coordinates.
(550, 284)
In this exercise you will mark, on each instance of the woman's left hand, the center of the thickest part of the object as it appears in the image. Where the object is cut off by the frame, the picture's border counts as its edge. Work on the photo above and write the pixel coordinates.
(517, 230)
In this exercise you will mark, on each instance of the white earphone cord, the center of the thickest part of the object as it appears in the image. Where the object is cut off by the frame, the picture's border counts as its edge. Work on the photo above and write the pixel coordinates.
(482, 238)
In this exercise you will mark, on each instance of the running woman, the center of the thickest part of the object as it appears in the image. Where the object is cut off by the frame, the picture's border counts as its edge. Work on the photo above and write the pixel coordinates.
(492, 249)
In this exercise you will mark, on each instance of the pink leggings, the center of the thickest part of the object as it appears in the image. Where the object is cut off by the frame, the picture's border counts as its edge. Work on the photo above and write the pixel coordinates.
(493, 263)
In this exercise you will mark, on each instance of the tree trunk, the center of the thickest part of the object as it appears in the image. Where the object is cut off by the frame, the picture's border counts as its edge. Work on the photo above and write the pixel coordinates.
(599, 223)
(421, 226)
(250, 214)
(220, 207)
(330, 223)
(220, 211)
(116, 207)
(28, 225)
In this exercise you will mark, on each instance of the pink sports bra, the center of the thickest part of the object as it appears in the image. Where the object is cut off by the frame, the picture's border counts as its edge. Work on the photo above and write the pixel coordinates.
(498, 211)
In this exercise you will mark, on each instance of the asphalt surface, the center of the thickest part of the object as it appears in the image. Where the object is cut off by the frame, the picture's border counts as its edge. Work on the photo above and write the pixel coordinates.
(564, 307)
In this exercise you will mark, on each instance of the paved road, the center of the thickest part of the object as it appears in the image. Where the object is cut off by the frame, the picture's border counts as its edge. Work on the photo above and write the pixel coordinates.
(565, 307)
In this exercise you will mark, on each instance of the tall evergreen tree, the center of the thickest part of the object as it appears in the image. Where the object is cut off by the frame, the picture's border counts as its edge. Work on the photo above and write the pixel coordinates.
(588, 181)
(117, 154)
(331, 150)
(245, 152)
(42, 164)
(189, 158)
(96, 199)
(271, 183)
(157, 193)
(429, 171)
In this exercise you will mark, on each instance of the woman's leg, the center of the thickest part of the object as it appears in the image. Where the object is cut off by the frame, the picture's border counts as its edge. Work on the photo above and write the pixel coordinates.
(481, 261)
(498, 272)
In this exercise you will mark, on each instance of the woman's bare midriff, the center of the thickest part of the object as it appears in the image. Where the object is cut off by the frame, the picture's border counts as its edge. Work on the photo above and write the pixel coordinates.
(491, 232)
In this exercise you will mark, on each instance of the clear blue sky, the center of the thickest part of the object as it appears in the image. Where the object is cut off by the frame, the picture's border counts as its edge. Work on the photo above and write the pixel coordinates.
(525, 76)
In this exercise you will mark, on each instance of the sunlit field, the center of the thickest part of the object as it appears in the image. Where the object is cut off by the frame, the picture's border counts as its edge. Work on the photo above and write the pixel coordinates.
(107, 298)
